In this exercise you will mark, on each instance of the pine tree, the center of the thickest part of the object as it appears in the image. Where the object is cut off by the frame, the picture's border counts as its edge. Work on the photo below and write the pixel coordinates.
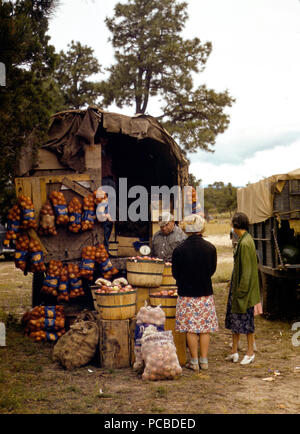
(74, 69)
(154, 61)
(30, 95)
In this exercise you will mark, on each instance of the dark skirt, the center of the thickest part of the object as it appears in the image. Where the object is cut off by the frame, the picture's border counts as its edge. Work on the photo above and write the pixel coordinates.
(240, 323)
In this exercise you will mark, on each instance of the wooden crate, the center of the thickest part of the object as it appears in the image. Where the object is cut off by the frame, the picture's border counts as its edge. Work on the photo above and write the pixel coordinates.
(179, 341)
(116, 343)
(66, 245)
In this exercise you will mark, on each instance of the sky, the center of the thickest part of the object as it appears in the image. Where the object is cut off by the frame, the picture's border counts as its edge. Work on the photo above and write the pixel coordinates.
(255, 56)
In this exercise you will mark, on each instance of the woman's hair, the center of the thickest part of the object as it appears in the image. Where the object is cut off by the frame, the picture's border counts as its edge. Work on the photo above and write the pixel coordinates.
(240, 221)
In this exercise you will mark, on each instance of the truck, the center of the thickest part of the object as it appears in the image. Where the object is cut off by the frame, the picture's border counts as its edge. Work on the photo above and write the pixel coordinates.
(273, 208)
(72, 161)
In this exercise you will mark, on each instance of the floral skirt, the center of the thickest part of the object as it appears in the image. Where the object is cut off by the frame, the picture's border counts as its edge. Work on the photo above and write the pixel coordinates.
(239, 323)
(196, 315)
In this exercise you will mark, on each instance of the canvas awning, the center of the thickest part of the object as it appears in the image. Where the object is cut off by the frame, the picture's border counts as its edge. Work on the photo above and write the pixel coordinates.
(70, 130)
(256, 200)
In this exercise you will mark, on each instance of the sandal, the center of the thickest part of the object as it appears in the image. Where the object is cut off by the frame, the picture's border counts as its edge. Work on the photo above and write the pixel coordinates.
(192, 366)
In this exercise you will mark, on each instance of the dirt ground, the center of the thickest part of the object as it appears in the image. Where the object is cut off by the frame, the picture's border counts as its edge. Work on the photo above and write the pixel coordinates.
(32, 383)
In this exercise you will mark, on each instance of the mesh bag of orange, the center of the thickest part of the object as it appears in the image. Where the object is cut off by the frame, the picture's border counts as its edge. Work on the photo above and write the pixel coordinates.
(105, 265)
(87, 264)
(13, 225)
(44, 323)
(59, 203)
(21, 252)
(27, 212)
(89, 214)
(75, 210)
(36, 256)
(63, 286)
(51, 281)
(75, 282)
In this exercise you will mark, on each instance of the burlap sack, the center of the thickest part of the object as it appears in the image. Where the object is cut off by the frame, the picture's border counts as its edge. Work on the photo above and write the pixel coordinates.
(78, 346)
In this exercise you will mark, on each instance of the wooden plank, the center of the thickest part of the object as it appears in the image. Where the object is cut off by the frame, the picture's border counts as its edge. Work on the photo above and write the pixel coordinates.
(93, 163)
(47, 160)
(19, 186)
(43, 190)
(132, 324)
(27, 190)
(56, 179)
(114, 343)
(36, 197)
(73, 185)
(179, 340)
(93, 156)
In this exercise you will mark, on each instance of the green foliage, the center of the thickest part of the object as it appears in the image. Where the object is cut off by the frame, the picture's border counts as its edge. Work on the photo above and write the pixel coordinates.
(193, 181)
(72, 73)
(154, 61)
(30, 95)
(220, 197)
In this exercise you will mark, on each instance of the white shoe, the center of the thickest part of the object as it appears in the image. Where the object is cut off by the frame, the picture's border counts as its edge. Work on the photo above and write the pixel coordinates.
(234, 357)
(247, 359)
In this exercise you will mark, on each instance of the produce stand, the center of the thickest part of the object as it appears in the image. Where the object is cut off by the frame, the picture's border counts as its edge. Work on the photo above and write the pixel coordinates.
(70, 164)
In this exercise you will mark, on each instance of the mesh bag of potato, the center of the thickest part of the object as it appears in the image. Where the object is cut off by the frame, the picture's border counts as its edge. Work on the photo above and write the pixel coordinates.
(47, 220)
(146, 316)
(159, 355)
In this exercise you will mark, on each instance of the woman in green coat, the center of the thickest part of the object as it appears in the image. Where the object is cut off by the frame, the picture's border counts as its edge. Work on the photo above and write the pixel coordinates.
(244, 290)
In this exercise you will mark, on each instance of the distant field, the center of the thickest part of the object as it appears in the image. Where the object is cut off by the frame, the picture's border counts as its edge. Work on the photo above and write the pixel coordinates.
(218, 228)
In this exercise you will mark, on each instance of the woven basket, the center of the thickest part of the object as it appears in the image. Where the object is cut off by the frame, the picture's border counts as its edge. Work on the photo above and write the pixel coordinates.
(144, 273)
(166, 302)
(116, 306)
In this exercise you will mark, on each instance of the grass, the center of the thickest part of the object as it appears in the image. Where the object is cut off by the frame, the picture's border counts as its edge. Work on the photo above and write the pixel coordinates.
(15, 290)
(216, 228)
(223, 273)
(31, 383)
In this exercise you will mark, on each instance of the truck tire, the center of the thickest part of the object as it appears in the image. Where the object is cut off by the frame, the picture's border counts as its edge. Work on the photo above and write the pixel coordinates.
(269, 293)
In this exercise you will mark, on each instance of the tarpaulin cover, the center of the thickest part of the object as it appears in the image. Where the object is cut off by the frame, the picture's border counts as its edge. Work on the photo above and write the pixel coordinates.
(256, 200)
(71, 130)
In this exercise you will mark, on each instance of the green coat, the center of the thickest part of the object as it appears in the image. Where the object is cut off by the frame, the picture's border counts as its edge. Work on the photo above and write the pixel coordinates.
(245, 284)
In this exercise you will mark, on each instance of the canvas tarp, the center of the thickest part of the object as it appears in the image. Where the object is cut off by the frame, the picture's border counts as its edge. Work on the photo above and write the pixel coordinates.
(72, 129)
(256, 200)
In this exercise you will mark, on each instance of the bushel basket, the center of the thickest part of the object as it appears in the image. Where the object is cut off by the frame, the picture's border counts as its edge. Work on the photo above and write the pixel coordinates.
(144, 273)
(116, 306)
